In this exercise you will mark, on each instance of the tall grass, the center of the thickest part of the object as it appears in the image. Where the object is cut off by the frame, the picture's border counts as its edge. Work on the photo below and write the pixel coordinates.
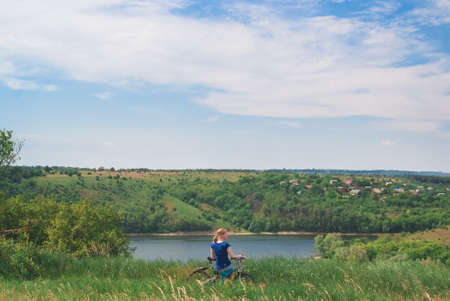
(275, 279)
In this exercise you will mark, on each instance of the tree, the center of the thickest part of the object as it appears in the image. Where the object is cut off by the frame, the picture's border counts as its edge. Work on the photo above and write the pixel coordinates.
(9, 149)
(84, 229)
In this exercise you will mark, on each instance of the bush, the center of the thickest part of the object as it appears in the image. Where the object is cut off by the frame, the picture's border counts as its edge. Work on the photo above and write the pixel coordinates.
(328, 244)
(83, 229)
(341, 253)
(19, 260)
(411, 248)
(24, 260)
(355, 253)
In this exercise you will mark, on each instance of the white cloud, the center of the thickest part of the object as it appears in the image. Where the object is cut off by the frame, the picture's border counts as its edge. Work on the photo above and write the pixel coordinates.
(50, 88)
(384, 7)
(387, 142)
(266, 66)
(213, 118)
(436, 12)
(22, 84)
(103, 95)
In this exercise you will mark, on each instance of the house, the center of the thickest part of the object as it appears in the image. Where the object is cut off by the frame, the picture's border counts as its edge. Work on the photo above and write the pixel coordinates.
(282, 182)
(448, 188)
(349, 182)
(341, 189)
(355, 192)
(333, 181)
(429, 188)
(367, 187)
(308, 186)
(399, 189)
(377, 190)
(440, 193)
(388, 183)
(412, 191)
(294, 182)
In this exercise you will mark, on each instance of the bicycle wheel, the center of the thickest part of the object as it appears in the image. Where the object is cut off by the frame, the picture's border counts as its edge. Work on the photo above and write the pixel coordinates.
(245, 277)
(200, 274)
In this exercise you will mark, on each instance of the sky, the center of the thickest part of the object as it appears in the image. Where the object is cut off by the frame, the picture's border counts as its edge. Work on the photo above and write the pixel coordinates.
(340, 84)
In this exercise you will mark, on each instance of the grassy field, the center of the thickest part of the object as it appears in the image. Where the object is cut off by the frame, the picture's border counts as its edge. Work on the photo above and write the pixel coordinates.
(276, 279)
(153, 176)
(440, 235)
(183, 212)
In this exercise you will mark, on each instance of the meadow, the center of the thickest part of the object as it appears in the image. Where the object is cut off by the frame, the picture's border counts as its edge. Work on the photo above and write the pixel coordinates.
(63, 234)
(275, 279)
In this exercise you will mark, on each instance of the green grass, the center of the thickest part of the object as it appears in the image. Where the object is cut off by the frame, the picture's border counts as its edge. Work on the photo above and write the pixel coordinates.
(130, 193)
(179, 208)
(186, 212)
(276, 279)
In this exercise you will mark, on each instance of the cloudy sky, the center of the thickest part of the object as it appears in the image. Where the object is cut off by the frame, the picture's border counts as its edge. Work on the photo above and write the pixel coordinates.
(228, 84)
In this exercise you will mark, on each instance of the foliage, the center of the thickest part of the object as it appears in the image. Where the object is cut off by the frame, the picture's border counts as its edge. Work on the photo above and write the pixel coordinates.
(81, 229)
(255, 201)
(413, 248)
(384, 248)
(85, 230)
(327, 245)
(353, 253)
(9, 149)
(19, 260)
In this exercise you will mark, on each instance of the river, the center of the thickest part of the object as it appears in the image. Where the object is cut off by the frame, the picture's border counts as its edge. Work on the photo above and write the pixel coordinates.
(197, 247)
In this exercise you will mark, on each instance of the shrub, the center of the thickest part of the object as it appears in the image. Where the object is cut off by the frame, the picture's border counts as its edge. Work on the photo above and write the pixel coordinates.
(327, 244)
(19, 259)
(341, 253)
(83, 229)
(355, 253)
(24, 260)
(411, 248)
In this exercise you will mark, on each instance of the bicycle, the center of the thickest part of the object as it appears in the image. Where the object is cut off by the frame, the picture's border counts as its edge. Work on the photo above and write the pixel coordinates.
(209, 274)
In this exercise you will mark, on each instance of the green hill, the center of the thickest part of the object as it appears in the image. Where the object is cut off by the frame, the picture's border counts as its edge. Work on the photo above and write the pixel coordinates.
(167, 201)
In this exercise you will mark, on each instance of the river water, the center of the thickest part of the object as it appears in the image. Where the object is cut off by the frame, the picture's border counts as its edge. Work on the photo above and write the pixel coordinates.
(197, 247)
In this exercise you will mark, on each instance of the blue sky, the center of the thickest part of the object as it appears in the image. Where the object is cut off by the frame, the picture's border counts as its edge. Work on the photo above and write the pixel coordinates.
(228, 84)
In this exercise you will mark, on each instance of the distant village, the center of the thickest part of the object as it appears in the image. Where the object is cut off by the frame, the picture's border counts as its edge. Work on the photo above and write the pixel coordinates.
(358, 186)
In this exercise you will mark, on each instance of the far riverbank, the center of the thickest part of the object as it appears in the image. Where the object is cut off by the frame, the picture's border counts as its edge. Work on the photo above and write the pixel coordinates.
(206, 233)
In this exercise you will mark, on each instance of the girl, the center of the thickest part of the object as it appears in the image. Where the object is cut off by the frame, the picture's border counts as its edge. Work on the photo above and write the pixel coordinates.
(221, 251)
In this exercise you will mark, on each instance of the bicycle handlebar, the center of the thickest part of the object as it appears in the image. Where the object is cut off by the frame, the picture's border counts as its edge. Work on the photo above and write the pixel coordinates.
(239, 257)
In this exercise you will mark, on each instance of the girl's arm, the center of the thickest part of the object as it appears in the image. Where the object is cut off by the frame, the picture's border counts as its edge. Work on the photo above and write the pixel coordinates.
(231, 254)
(211, 253)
